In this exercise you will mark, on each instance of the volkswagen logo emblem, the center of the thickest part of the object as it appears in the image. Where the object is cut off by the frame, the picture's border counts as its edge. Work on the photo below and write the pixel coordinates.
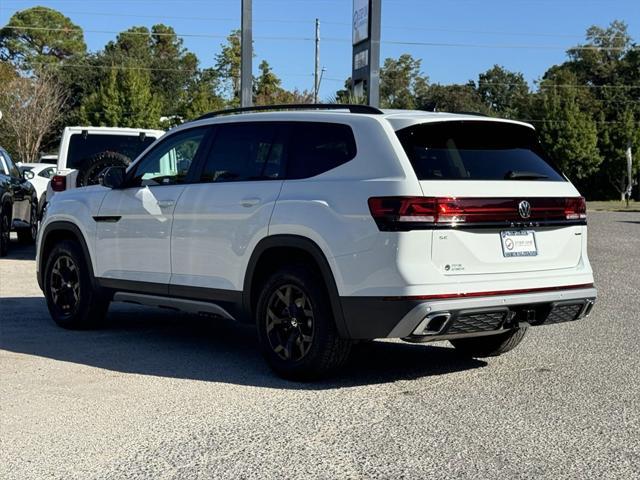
(524, 209)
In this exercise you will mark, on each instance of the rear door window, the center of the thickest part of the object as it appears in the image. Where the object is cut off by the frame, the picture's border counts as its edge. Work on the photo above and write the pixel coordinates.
(317, 147)
(245, 152)
(476, 150)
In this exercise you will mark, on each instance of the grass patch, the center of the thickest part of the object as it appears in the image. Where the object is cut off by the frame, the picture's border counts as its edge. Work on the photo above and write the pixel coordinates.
(614, 206)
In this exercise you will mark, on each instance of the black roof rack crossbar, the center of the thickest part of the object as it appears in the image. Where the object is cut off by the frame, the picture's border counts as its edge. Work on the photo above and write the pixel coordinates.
(297, 106)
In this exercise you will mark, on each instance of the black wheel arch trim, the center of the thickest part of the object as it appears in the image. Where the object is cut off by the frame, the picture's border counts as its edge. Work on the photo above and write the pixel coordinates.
(64, 226)
(308, 246)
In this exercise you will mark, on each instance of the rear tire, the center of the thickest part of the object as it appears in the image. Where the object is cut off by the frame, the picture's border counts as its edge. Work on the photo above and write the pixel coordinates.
(71, 299)
(27, 236)
(490, 346)
(5, 232)
(296, 328)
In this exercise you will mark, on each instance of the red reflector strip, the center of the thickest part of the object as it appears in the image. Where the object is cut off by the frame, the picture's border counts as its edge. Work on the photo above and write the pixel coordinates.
(394, 213)
(447, 296)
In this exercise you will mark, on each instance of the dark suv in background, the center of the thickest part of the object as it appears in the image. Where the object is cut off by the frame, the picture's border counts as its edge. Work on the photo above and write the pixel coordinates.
(18, 205)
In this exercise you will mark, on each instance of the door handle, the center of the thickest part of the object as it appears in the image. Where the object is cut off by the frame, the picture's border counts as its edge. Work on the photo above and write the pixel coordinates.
(250, 202)
(166, 203)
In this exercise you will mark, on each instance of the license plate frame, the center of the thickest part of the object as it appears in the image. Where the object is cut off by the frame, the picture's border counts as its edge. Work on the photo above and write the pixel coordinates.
(518, 243)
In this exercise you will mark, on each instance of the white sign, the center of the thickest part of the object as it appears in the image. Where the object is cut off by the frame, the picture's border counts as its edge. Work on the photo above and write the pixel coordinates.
(361, 60)
(360, 20)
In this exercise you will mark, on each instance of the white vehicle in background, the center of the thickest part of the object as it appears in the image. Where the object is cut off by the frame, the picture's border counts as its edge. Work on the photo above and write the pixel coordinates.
(50, 159)
(86, 151)
(39, 175)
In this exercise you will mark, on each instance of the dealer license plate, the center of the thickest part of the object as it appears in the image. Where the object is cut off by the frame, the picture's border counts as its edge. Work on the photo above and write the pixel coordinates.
(518, 243)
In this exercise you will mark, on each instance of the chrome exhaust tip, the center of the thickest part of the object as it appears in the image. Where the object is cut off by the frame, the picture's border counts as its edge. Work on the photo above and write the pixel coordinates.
(433, 324)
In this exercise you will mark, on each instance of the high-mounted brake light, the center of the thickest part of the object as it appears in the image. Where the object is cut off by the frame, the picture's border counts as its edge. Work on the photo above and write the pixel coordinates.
(58, 183)
(411, 213)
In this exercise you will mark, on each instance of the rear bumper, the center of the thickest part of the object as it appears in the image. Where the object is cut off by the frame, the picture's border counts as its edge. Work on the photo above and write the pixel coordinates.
(425, 320)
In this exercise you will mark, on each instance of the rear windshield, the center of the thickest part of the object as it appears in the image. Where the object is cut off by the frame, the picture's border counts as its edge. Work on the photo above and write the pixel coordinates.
(82, 147)
(476, 150)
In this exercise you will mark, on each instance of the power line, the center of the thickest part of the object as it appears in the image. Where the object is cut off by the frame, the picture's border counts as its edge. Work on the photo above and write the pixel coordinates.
(345, 24)
(335, 39)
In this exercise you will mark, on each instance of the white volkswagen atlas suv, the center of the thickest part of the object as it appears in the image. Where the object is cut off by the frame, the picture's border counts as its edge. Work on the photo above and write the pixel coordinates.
(329, 224)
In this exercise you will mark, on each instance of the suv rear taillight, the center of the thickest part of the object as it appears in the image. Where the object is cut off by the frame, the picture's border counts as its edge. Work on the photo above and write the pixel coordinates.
(413, 213)
(575, 208)
(58, 183)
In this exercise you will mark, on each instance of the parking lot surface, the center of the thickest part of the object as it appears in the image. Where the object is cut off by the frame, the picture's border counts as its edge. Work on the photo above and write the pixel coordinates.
(161, 395)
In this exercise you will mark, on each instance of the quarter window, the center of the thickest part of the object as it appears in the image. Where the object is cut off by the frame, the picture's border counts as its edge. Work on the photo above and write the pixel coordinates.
(170, 161)
(244, 152)
(319, 147)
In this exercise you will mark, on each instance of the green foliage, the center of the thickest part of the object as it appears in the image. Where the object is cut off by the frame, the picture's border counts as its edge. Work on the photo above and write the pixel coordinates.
(451, 98)
(587, 109)
(502, 92)
(201, 96)
(402, 82)
(568, 132)
(227, 67)
(38, 36)
(124, 99)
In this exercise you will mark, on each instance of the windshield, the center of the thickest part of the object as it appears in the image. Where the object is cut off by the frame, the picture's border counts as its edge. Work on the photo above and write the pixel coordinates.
(476, 150)
(82, 147)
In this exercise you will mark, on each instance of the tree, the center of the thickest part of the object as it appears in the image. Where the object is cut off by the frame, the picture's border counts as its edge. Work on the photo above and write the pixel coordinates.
(124, 99)
(201, 96)
(569, 133)
(7, 72)
(268, 89)
(227, 67)
(401, 82)
(451, 98)
(606, 66)
(31, 107)
(171, 67)
(38, 36)
(504, 93)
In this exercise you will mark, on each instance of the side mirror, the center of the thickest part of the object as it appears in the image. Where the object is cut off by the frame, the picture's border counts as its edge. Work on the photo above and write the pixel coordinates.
(28, 175)
(112, 177)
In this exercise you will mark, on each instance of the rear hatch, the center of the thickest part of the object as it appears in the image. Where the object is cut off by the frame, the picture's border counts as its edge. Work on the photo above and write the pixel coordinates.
(498, 203)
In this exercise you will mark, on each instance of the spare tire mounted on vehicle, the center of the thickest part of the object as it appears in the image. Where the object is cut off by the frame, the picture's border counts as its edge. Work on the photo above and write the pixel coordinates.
(91, 168)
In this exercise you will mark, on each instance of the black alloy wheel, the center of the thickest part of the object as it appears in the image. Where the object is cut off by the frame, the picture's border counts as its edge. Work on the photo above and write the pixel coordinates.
(290, 323)
(73, 300)
(296, 327)
(64, 285)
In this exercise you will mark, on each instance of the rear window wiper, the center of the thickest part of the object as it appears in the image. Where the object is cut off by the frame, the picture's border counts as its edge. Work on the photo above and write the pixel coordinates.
(524, 175)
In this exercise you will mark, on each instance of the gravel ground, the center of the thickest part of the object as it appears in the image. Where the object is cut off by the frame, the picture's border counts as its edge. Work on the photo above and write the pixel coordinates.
(158, 395)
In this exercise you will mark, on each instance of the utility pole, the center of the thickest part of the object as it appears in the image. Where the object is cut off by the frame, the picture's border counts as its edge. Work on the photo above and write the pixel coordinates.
(246, 55)
(629, 173)
(316, 78)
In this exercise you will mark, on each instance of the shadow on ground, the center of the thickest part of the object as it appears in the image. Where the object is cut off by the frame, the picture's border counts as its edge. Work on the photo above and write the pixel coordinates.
(150, 341)
(17, 251)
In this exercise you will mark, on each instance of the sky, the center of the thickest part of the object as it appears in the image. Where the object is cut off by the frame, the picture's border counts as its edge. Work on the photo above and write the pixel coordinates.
(522, 35)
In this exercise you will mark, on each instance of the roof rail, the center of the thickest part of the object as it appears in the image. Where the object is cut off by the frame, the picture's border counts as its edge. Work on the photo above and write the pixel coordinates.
(297, 106)
(477, 114)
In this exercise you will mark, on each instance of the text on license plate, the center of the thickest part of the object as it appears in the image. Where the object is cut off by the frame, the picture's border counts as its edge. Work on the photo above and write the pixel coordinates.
(518, 243)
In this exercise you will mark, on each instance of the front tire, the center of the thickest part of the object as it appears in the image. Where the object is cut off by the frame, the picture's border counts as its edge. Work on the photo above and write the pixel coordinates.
(71, 299)
(296, 328)
(490, 346)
